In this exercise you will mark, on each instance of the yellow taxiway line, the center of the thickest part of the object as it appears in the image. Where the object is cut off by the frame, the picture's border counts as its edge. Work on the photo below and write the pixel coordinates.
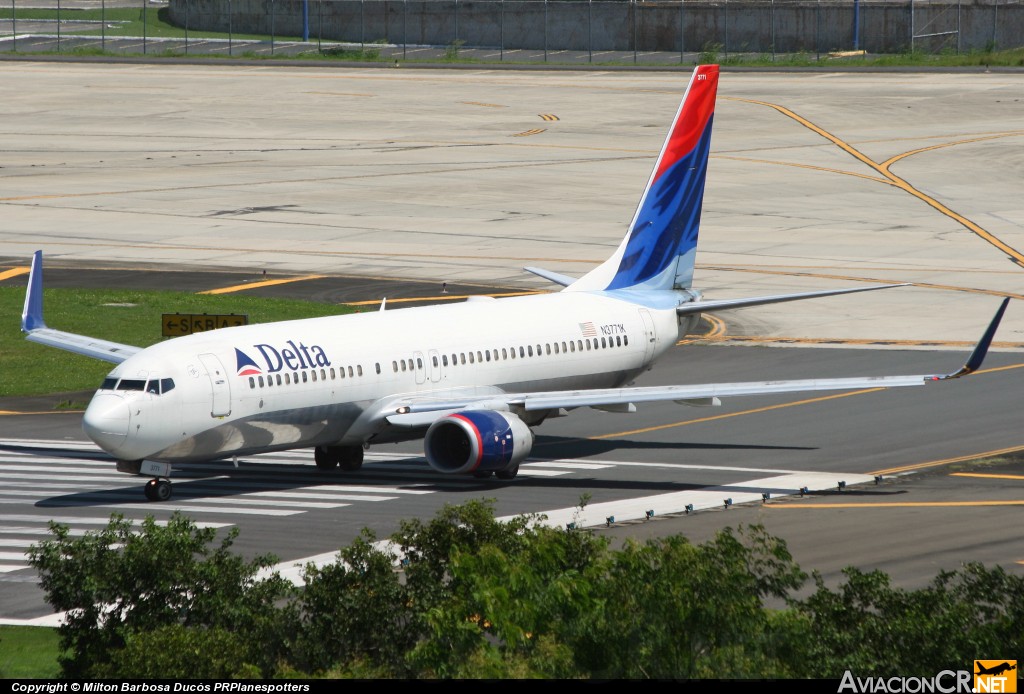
(893, 179)
(985, 475)
(899, 504)
(257, 285)
(13, 272)
(948, 461)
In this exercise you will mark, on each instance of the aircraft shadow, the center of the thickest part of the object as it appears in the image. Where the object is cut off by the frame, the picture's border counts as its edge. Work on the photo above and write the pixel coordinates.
(237, 484)
(568, 447)
(55, 452)
(226, 489)
(200, 482)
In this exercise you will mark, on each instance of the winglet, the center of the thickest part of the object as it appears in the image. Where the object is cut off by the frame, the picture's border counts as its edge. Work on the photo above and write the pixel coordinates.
(32, 314)
(981, 349)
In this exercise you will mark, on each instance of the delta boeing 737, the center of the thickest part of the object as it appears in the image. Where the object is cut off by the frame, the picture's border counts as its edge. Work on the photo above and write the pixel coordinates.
(470, 379)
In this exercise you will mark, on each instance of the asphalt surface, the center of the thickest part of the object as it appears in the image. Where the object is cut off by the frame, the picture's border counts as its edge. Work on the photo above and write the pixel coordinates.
(926, 512)
(404, 185)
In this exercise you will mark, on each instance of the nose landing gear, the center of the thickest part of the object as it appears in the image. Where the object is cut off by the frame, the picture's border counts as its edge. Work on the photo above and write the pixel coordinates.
(158, 489)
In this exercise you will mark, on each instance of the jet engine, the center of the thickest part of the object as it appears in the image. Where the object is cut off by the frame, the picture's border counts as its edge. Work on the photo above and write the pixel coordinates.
(478, 442)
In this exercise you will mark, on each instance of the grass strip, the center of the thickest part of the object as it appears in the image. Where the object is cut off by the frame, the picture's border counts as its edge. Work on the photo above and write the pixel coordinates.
(128, 316)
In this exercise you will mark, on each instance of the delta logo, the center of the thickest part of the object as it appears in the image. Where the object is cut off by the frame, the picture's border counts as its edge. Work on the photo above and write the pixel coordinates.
(246, 366)
(292, 357)
(995, 676)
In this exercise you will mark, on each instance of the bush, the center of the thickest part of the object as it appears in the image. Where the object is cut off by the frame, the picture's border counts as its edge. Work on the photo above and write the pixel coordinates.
(118, 583)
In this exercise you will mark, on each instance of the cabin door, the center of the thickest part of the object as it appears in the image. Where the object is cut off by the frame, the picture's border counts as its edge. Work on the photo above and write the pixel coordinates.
(221, 405)
(650, 336)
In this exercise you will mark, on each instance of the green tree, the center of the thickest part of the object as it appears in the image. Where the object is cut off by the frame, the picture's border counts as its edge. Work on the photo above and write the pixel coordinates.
(361, 614)
(678, 610)
(870, 627)
(464, 595)
(511, 606)
(482, 599)
(181, 652)
(355, 612)
(122, 581)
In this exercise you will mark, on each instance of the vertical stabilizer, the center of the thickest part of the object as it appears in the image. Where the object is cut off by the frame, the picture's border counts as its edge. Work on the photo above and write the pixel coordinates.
(659, 250)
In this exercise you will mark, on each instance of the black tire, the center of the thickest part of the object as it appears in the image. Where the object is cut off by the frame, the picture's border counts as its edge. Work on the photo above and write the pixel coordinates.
(162, 490)
(325, 458)
(350, 457)
(482, 475)
(509, 474)
(150, 490)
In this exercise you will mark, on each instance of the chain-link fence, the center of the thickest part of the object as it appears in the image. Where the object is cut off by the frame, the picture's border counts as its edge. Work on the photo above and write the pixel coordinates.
(563, 31)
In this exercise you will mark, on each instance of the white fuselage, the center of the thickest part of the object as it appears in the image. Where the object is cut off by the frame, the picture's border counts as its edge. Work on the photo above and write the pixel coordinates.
(331, 381)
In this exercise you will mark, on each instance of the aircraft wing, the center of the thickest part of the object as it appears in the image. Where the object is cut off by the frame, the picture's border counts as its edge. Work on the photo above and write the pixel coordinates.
(419, 412)
(36, 331)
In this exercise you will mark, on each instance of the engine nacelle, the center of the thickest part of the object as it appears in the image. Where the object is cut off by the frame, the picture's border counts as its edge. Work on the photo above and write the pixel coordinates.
(477, 441)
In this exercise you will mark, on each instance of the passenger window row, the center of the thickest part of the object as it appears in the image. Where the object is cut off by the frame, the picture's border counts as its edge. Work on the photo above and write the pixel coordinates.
(306, 376)
(520, 352)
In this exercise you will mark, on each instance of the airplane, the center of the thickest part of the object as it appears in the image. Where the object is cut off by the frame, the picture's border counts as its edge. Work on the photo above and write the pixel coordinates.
(471, 378)
(995, 669)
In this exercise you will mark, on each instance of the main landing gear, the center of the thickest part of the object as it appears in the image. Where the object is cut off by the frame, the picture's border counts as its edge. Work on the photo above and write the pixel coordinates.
(508, 474)
(349, 458)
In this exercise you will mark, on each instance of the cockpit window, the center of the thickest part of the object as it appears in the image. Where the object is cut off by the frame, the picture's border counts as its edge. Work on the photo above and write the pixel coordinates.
(154, 386)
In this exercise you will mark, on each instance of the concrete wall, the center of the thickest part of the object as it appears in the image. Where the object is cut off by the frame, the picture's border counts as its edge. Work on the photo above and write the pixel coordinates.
(885, 26)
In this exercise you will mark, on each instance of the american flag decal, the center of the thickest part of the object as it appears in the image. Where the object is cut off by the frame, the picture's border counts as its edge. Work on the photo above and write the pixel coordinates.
(588, 329)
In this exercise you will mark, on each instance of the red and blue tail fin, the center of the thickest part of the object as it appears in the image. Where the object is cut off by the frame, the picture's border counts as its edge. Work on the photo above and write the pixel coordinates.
(659, 250)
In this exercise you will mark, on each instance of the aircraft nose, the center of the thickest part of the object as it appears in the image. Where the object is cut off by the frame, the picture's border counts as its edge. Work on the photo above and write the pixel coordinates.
(106, 421)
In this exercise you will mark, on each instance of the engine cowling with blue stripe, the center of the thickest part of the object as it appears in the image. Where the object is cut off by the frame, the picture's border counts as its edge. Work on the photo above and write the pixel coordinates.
(477, 441)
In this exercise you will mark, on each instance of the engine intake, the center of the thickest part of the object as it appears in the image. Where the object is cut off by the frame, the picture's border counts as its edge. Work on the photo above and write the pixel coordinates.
(477, 441)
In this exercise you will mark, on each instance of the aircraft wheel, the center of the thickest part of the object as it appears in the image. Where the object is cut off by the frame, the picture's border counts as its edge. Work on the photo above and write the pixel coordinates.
(163, 490)
(158, 490)
(509, 474)
(482, 474)
(350, 457)
(325, 458)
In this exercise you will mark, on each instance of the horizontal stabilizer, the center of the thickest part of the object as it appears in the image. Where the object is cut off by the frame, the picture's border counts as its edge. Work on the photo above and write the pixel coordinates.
(33, 324)
(81, 344)
(555, 277)
(727, 304)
